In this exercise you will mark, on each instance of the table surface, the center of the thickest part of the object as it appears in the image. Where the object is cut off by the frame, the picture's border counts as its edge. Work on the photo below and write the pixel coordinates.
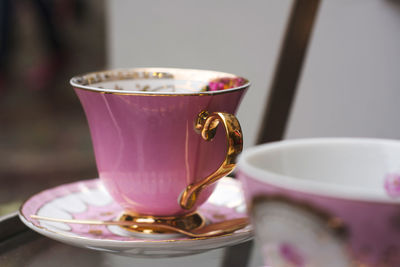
(20, 246)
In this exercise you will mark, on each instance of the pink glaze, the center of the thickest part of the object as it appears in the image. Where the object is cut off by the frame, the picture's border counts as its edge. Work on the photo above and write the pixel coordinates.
(146, 149)
(374, 228)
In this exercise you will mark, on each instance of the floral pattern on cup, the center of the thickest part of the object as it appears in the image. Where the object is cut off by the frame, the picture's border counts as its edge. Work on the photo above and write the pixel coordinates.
(392, 184)
(291, 255)
(284, 254)
(224, 83)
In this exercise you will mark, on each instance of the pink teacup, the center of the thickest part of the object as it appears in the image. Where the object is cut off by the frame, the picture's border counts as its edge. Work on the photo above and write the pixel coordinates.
(325, 202)
(154, 134)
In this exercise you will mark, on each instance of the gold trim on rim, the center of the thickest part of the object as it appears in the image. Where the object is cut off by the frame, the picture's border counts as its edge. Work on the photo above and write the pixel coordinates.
(85, 81)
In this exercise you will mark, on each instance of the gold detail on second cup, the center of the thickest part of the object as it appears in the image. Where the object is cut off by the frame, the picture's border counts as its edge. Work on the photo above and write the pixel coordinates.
(206, 125)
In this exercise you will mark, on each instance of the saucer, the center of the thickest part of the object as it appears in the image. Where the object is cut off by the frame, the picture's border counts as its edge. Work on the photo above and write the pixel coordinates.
(89, 200)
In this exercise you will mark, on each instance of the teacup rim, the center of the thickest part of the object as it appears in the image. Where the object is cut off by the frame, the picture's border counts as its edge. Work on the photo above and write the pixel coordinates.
(76, 82)
(312, 187)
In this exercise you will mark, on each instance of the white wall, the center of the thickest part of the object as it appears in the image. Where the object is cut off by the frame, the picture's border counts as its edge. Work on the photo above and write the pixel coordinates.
(240, 37)
(350, 85)
(351, 81)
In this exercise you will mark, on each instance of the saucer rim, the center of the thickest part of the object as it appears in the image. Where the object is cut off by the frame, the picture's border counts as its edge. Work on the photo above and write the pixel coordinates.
(45, 232)
(54, 234)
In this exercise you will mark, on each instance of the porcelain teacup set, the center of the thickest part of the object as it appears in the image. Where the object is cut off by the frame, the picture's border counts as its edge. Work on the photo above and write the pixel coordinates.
(164, 141)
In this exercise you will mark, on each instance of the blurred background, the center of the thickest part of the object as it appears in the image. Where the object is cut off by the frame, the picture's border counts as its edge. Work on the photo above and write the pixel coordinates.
(349, 84)
(44, 138)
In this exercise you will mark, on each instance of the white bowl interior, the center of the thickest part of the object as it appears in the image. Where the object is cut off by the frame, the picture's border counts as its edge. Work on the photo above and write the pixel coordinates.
(323, 165)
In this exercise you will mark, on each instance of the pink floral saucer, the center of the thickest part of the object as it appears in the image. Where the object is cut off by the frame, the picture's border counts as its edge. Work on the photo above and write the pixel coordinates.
(89, 200)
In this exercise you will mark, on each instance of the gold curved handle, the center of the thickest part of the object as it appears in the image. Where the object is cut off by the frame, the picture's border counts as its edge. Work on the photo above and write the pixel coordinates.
(206, 125)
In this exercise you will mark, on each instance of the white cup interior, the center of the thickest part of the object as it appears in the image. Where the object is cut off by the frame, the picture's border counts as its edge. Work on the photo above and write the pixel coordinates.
(339, 167)
(153, 81)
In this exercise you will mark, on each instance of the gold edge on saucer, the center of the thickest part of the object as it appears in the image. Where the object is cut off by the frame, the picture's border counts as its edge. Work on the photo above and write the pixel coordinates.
(187, 239)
